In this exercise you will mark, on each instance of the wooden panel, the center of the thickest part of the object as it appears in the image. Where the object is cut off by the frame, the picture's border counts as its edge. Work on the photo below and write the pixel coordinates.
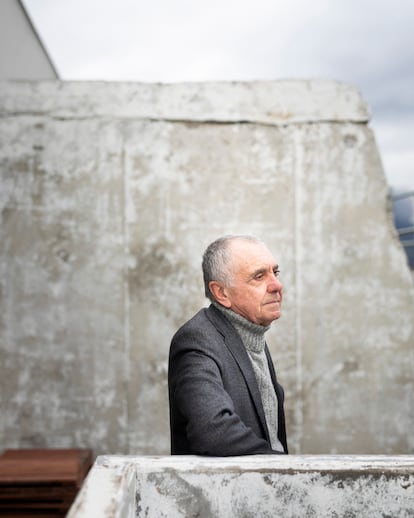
(41, 482)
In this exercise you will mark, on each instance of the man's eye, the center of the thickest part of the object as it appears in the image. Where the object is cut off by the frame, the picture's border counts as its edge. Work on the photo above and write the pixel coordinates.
(259, 276)
(276, 271)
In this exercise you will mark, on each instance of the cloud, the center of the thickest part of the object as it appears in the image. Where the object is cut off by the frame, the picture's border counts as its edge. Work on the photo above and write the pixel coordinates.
(166, 40)
(367, 43)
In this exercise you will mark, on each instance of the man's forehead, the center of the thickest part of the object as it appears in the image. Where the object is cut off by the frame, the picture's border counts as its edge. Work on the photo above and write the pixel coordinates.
(252, 252)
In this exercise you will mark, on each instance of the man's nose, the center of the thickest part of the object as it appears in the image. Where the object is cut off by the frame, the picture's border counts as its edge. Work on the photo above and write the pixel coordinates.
(274, 284)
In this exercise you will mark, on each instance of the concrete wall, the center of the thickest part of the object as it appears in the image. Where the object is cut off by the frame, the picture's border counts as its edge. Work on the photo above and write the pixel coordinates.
(265, 486)
(110, 193)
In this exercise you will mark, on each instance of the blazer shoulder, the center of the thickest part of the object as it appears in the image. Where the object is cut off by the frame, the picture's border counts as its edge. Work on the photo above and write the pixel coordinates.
(205, 318)
(208, 327)
(199, 324)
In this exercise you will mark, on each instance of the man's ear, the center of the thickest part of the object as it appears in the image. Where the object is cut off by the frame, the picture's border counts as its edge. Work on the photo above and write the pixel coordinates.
(219, 293)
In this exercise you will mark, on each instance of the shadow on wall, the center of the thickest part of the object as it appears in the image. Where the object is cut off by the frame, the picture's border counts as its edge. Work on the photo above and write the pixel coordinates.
(403, 208)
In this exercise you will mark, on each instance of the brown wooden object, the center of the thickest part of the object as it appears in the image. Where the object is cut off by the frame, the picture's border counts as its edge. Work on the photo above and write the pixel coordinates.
(41, 482)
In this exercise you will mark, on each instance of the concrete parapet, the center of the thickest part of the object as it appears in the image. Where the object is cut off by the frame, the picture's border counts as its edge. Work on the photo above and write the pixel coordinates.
(265, 486)
(268, 102)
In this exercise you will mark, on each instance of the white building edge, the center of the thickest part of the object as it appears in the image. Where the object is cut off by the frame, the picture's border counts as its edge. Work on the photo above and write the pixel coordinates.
(22, 52)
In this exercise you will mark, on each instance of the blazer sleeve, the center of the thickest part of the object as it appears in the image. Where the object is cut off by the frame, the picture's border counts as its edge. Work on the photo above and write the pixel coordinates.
(198, 399)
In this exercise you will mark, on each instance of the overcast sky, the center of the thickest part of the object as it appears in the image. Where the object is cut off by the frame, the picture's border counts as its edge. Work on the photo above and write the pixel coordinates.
(369, 43)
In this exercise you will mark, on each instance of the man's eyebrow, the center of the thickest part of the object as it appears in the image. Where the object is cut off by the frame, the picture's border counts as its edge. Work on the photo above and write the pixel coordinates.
(263, 269)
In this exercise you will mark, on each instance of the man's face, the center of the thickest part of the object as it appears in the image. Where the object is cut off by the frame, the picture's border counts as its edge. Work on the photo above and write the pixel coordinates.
(255, 291)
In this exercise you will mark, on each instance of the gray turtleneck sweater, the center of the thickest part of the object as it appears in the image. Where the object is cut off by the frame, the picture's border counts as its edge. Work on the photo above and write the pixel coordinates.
(252, 336)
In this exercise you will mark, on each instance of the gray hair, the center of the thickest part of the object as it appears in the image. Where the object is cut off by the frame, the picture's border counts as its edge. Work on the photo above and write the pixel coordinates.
(217, 264)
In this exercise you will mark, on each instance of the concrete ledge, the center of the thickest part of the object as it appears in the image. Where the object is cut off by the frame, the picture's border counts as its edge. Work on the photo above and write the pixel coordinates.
(268, 102)
(265, 486)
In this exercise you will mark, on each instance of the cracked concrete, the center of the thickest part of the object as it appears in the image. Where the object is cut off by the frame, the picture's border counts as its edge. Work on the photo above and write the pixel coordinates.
(265, 486)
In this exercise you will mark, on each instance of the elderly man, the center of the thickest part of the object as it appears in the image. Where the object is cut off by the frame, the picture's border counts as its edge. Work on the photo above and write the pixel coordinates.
(223, 392)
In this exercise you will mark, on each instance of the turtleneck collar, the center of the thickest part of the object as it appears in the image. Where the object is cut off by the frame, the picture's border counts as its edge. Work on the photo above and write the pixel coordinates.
(251, 334)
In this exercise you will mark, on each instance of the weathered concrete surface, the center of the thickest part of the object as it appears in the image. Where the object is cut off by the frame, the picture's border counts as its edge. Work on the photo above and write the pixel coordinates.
(108, 491)
(268, 102)
(265, 486)
(110, 193)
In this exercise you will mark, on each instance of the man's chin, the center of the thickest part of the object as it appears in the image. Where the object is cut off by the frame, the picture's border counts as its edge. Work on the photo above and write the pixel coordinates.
(270, 319)
(276, 315)
(274, 310)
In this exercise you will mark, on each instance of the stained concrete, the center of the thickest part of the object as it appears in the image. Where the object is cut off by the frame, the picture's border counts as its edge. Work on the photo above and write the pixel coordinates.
(109, 194)
(245, 487)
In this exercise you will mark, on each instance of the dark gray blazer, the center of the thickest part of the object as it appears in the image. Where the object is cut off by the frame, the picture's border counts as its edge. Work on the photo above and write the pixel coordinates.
(215, 403)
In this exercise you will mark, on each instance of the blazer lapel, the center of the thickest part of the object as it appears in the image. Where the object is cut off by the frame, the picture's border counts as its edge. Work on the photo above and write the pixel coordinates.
(235, 345)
